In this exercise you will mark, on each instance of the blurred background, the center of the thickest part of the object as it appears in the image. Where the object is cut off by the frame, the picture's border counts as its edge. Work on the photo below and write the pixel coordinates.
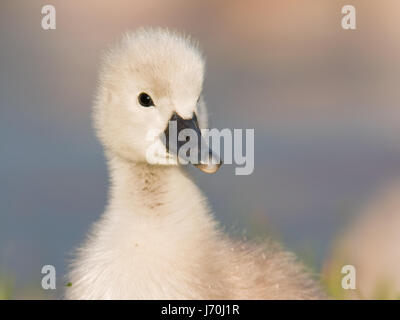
(323, 102)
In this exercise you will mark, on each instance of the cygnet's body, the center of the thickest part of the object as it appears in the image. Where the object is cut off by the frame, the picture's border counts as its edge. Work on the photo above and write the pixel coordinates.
(157, 238)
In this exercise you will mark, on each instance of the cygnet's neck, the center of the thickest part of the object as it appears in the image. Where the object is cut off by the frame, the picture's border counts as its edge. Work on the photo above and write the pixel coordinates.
(143, 189)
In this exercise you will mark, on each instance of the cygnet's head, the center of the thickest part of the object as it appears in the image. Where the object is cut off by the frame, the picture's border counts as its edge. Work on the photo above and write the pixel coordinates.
(151, 77)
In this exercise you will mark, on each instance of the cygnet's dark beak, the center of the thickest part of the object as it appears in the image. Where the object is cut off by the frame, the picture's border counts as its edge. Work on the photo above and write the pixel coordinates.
(196, 152)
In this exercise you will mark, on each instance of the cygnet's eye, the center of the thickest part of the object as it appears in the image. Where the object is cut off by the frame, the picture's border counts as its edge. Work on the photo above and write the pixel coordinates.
(145, 100)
